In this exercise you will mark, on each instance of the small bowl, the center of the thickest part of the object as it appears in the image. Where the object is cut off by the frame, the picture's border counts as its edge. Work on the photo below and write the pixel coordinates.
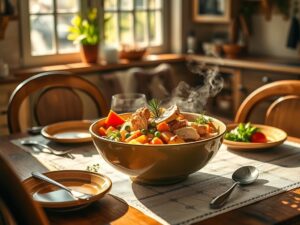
(158, 164)
(232, 50)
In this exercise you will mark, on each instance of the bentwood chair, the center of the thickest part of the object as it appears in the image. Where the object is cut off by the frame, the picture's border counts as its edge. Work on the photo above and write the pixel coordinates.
(54, 97)
(16, 206)
(283, 112)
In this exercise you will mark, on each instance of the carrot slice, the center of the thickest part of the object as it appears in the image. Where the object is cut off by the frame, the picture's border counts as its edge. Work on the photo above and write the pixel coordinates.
(102, 131)
(113, 119)
(156, 141)
(134, 135)
(163, 126)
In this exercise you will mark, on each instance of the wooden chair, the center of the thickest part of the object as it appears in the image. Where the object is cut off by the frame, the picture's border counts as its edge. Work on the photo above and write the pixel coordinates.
(17, 207)
(283, 112)
(58, 99)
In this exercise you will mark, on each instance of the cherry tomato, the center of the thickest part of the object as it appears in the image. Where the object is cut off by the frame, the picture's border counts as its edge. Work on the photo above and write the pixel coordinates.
(258, 137)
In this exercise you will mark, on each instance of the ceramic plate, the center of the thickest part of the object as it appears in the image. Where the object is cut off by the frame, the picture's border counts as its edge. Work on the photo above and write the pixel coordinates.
(68, 132)
(50, 196)
(274, 135)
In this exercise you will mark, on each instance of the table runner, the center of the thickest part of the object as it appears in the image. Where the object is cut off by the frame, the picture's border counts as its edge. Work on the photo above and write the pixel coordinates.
(188, 202)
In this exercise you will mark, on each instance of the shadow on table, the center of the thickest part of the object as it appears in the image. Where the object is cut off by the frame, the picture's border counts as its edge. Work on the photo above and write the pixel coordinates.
(276, 155)
(104, 211)
(190, 199)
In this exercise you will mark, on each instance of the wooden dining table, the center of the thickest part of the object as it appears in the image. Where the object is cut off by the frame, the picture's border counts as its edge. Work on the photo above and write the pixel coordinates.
(112, 210)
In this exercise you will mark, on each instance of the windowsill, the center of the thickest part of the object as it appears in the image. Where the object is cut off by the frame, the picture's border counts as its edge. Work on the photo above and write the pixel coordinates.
(79, 68)
(84, 68)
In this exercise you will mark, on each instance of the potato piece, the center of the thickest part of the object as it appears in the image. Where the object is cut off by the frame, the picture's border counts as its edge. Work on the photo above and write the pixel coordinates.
(166, 136)
(176, 140)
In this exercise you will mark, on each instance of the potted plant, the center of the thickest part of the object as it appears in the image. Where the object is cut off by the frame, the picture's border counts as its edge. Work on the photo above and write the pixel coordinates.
(85, 31)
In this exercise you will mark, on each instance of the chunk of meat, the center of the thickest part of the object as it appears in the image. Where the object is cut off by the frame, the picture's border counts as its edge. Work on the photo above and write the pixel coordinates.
(187, 133)
(145, 112)
(176, 124)
(138, 122)
(139, 119)
(168, 115)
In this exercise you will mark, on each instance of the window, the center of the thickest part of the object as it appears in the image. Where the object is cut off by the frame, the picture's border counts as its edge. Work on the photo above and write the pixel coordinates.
(45, 27)
(49, 22)
(133, 22)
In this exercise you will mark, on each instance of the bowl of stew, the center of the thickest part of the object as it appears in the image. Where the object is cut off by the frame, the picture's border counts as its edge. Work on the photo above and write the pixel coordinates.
(161, 150)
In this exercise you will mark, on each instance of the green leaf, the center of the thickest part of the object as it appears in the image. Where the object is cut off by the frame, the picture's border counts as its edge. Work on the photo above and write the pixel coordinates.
(241, 133)
(84, 30)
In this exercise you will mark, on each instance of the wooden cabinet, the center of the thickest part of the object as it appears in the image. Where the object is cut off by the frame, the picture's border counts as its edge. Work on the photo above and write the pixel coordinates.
(226, 103)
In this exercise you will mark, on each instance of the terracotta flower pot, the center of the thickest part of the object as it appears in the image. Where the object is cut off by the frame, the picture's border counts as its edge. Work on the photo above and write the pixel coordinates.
(89, 53)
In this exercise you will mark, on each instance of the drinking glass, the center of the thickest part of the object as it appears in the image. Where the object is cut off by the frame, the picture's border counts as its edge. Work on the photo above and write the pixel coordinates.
(127, 102)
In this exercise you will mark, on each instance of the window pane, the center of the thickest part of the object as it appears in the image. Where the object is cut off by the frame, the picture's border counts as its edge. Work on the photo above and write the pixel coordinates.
(111, 28)
(126, 28)
(67, 6)
(140, 4)
(110, 4)
(126, 4)
(155, 28)
(154, 4)
(42, 35)
(63, 23)
(41, 6)
(141, 28)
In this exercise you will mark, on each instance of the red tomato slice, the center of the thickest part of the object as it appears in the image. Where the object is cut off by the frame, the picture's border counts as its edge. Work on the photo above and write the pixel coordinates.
(258, 137)
(113, 119)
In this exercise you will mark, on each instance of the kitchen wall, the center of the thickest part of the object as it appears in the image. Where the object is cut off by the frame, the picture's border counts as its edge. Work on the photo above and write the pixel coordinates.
(10, 47)
(269, 37)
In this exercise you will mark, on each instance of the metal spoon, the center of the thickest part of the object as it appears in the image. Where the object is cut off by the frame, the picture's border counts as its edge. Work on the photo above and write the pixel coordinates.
(243, 175)
(75, 194)
(42, 147)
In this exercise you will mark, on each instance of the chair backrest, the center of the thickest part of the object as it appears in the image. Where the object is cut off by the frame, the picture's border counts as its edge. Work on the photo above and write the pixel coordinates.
(283, 112)
(16, 204)
(57, 99)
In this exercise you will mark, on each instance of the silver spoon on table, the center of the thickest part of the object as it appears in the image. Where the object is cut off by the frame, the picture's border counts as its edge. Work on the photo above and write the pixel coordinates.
(243, 175)
(42, 146)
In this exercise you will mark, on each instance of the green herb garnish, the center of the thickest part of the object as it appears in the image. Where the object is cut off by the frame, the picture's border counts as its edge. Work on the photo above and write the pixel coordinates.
(241, 133)
(154, 107)
(93, 168)
(114, 135)
(202, 120)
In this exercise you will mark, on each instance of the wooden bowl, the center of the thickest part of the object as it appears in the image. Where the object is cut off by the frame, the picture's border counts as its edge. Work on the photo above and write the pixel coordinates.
(232, 50)
(158, 164)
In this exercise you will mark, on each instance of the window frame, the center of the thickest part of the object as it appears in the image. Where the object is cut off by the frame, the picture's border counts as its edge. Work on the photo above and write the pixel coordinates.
(28, 59)
(155, 48)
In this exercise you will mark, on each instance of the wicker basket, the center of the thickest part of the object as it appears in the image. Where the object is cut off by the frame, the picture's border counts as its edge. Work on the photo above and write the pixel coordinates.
(133, 54)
